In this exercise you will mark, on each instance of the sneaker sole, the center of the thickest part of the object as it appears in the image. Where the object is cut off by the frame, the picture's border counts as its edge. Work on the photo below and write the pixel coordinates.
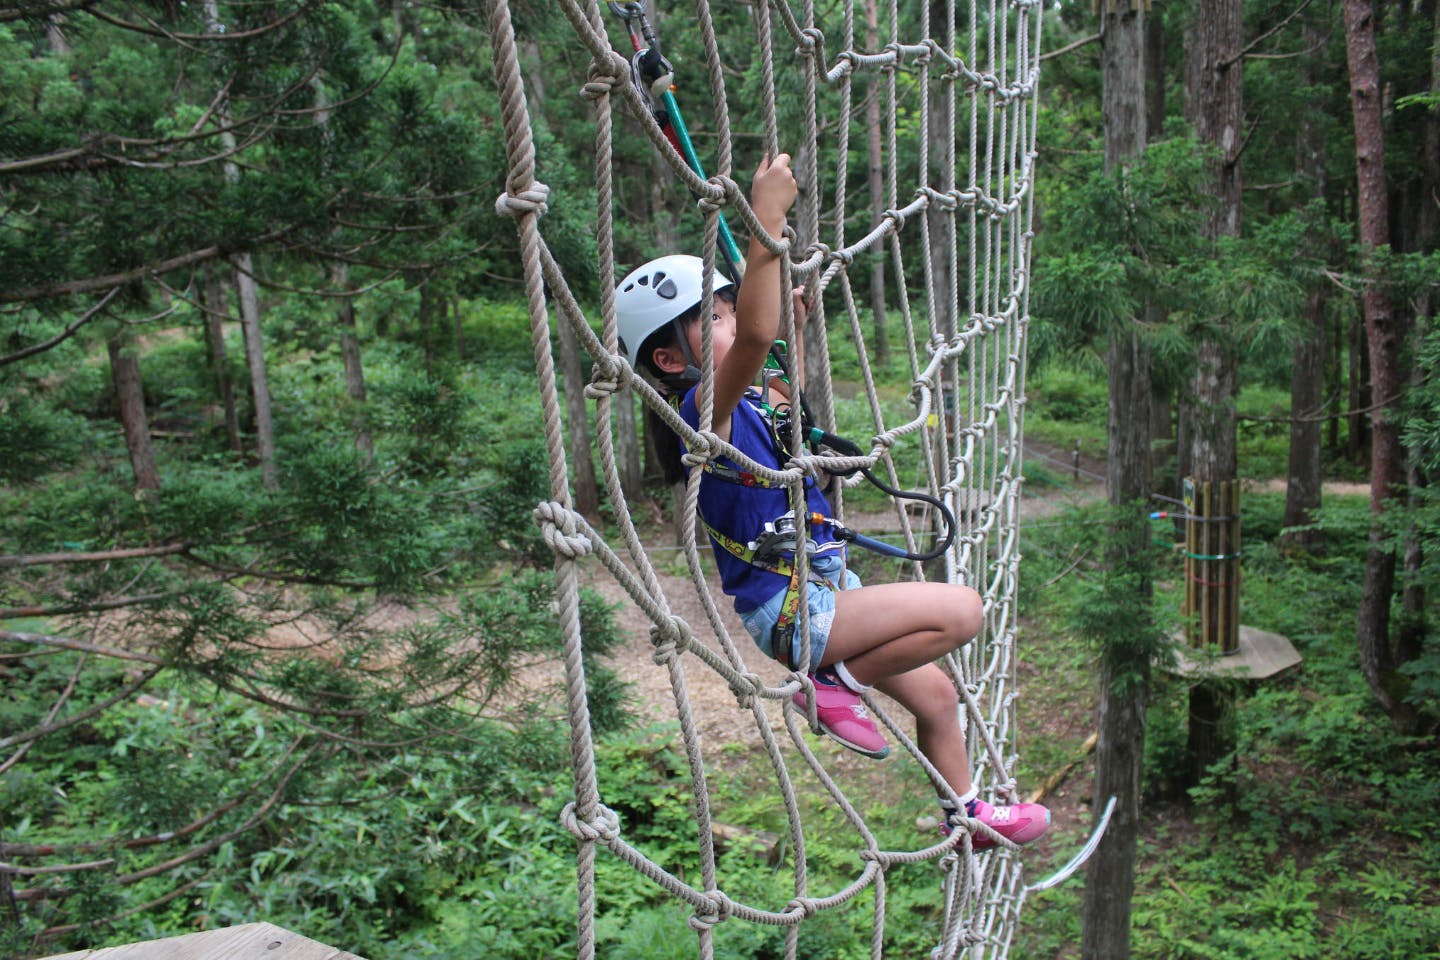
(880, 754)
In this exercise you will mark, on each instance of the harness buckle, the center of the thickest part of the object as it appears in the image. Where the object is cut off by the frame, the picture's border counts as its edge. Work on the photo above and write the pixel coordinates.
(778, 541)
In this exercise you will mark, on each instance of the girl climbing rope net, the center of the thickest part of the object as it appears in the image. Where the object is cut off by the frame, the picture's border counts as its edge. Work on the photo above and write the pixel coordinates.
(950, 219)
(850, 637)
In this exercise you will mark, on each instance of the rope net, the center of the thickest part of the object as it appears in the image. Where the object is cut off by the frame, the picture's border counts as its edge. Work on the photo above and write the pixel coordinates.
(955, 240)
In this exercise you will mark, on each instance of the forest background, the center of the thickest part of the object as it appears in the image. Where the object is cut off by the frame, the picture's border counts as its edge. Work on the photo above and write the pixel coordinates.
(267, 437)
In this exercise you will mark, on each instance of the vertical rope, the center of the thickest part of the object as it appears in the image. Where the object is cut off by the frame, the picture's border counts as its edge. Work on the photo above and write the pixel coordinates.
(525, 198)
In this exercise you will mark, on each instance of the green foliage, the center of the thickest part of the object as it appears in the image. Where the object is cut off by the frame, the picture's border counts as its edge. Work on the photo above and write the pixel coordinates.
(1308, 841)
(1067, 395)
(36, 438)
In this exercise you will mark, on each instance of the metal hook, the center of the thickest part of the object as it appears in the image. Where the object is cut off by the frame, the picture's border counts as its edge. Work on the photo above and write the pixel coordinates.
(629, 10)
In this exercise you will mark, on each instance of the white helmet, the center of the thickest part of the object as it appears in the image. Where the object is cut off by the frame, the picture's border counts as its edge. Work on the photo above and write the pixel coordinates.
(656, 293)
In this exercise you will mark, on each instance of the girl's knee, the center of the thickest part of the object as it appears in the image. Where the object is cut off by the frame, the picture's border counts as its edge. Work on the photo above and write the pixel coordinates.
(938, 698)
(967, 612)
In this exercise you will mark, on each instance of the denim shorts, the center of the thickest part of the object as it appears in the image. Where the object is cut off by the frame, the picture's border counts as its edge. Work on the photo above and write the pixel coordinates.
(819, 599)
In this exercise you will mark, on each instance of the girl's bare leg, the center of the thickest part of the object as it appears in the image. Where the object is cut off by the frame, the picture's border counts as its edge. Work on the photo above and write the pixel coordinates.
(890, 635)
(928, 693)
(892, 628)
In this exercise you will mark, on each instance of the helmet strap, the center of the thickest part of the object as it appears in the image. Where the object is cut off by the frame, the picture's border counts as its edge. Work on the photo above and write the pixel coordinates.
(690, 376)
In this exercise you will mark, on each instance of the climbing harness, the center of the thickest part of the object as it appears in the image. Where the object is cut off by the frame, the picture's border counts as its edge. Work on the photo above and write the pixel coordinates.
(819, 439)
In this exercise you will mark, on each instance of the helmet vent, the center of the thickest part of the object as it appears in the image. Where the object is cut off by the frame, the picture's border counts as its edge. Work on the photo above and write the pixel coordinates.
(666, 287)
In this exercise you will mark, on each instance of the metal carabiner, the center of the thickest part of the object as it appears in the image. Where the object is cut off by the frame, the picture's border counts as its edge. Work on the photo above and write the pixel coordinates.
(630, 10)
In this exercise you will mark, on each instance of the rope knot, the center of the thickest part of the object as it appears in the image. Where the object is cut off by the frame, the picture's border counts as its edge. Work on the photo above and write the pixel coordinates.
(561, 528)
(805, 905)
(746, 686)
(530, 200)
(717, 911)
(670, 639)
(811, 39)
(724, 192)
(605, 378)
(603, 829)
(605, 79)
(895, 217)
(700, 449)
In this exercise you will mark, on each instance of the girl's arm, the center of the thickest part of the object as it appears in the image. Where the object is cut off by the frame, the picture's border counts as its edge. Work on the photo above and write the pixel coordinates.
(757, 310)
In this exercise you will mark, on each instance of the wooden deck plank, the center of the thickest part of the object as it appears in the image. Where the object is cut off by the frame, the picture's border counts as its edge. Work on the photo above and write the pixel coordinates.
(251, 941)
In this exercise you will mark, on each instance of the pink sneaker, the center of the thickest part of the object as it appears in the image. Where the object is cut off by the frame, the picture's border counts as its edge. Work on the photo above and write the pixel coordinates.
(1018, 823)
(843, 717)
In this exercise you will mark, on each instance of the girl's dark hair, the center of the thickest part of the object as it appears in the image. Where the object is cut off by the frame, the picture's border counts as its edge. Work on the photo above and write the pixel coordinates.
(663, 440)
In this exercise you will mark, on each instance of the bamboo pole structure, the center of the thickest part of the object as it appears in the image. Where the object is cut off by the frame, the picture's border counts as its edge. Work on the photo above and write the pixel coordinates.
(1212, 564)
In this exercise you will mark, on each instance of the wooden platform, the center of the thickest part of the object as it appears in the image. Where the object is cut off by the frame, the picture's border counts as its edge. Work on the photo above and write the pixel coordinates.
(1261, 654)
(252, 941)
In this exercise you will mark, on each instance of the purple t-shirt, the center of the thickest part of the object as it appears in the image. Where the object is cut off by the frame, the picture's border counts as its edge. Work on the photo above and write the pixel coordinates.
(740, 512)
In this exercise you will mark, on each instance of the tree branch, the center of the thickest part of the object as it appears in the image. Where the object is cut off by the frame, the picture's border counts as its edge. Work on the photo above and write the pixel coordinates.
(1245, 50)
(194, 853)
(1084, 41)
(111, 843)
(98, 556)
(65, 643)
(95, 709)
(304, 578)
(1321, 418)
(41, 11)
(61, 337)
(60, 701)
(158, 901)
(119, 603)
(55, 868)
(155, 30)
(47, 291)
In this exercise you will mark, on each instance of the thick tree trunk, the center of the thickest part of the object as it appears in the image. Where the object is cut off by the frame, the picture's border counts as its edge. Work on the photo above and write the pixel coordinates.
(1415, 626)
(1124, 680)
(1155, 79)
(255, 361)
(1377, 656)
(1303, 488)
(215, 312)
(1213, 39)
(350, 357)
(249, 301)
(130, 397)
(1120, 748)
(1307, 380)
